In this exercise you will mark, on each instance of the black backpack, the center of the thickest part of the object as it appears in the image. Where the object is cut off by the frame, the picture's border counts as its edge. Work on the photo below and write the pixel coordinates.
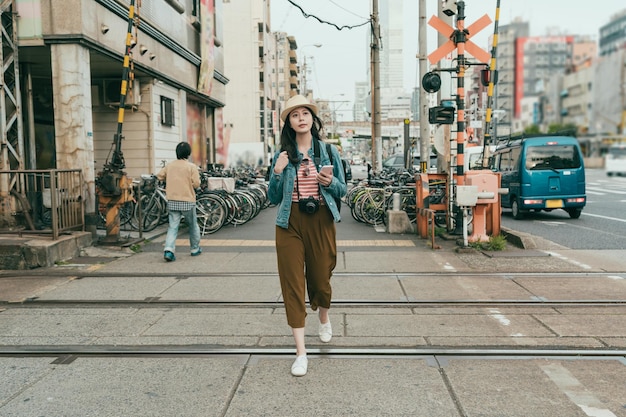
(316, 159)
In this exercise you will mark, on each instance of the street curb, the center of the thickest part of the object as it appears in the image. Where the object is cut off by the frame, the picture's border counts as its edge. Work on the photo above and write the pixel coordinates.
(527, 241)
(517, 238)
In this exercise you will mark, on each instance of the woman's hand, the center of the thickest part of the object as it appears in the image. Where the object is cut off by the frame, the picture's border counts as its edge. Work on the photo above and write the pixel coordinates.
(325, 178)
(281, 162)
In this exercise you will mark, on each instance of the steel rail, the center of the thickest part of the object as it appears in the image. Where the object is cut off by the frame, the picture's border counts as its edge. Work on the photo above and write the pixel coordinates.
(185, 350)
(77, 274)
(155, 302)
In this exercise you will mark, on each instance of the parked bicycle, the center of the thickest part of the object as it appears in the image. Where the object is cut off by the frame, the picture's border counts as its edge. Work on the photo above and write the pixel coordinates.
(151, 209)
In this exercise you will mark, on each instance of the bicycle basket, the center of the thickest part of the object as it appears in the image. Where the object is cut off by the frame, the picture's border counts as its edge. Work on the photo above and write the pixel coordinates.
(148, 185)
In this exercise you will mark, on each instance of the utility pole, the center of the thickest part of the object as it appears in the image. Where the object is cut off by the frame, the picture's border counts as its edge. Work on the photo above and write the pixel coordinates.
(423, 97)
(377, 145)
(303, 92)
(278, 63)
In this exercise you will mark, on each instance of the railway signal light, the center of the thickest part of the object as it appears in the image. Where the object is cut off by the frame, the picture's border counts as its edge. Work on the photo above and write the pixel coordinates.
(441, 115)
(486, 76)
(431, 82)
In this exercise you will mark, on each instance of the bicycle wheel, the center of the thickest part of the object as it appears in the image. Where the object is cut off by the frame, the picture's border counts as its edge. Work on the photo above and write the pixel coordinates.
(151, 210)
(245, 208)
(355, 207)
(210, 213)
(352, 195)
(372, 206)
(408, 203)
(126, 212)
(440, 219)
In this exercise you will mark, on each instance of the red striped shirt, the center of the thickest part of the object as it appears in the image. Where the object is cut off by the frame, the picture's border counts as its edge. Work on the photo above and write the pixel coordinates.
(307, 184)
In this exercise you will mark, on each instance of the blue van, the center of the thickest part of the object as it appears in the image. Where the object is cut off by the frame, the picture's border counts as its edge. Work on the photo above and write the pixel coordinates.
(541, 173)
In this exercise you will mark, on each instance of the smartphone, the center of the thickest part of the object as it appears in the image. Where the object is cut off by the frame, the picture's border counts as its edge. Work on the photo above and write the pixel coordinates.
(327, 169)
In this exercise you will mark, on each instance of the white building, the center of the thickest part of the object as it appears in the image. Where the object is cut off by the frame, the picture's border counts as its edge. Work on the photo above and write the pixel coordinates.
(247, 118)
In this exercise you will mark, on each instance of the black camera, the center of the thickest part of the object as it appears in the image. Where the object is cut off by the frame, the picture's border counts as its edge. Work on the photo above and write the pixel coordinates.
(308, 205)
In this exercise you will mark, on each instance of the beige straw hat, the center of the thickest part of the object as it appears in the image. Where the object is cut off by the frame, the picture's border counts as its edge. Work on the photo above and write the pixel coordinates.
(295, 102)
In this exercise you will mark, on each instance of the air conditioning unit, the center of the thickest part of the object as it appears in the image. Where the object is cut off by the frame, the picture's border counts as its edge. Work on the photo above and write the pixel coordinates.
(111, 91)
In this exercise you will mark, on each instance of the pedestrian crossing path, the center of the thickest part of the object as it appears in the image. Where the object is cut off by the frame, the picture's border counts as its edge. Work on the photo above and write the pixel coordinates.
(607, 186)
(209, 242)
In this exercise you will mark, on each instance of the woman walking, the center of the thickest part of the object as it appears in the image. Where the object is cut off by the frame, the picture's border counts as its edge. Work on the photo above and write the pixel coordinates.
(306, 246)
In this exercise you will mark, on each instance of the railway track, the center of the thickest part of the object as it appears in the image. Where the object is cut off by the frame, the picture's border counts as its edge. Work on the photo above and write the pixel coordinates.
(62, 271)
(371, 352)
(200, 303)
(506, 350)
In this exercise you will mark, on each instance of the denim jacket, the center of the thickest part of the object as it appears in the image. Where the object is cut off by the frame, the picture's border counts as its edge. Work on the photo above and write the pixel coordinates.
(281, 186)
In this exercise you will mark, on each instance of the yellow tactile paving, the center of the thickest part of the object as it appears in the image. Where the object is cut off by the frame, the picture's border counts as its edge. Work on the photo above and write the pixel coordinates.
(256, 243)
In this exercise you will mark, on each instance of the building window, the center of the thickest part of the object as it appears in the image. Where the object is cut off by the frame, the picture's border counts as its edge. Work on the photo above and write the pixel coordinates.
(167, 111)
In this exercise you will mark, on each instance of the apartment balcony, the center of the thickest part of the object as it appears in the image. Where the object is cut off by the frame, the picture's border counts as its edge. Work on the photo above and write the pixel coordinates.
(293, 82)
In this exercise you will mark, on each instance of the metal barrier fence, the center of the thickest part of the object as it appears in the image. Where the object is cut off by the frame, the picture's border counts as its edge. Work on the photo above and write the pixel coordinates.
(426, 220)
(44, 201)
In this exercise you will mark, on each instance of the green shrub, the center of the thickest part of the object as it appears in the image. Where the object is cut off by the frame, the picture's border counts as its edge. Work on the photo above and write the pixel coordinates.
(440, 231)
(495, 243)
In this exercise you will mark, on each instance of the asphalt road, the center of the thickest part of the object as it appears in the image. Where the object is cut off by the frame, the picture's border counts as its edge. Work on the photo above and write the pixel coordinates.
(602, 224)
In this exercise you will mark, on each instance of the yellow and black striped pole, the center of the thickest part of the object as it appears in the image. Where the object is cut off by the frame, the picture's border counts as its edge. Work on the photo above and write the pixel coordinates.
(117, 160)
(114, 187)
(492, 74)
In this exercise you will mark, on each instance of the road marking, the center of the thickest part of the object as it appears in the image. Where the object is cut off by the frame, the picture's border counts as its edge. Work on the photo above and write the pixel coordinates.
(604, 217)
(576, 391)
(500, 317)
(503, 320)
(594, 193)
(604, 190)
(566, 259)
(615, 277)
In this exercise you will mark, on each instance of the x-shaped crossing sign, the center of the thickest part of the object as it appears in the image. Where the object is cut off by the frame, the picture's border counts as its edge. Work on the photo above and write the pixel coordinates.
(447, 30)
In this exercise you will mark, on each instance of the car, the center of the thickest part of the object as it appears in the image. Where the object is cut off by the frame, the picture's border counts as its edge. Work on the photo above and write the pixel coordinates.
(396, 161)
(615, 160)
(541, 172)
(474, 157)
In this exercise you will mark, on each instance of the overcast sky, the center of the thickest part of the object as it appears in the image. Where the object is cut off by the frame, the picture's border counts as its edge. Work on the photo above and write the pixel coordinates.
(344, 55)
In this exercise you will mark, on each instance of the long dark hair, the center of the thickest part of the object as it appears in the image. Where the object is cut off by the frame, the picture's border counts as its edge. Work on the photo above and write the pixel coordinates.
(288, 137)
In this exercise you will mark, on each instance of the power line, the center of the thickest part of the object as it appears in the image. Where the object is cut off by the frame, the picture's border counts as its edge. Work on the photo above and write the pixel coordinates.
(307, 15)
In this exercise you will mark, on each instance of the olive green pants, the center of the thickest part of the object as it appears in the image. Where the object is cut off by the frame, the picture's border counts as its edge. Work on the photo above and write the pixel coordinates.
(307, 255)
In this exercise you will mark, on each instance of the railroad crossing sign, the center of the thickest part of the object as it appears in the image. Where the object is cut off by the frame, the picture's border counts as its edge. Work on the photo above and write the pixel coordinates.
(447, 30)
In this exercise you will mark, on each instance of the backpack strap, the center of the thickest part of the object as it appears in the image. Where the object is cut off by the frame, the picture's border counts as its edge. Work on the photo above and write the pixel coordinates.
(316, 153)
(330, 153)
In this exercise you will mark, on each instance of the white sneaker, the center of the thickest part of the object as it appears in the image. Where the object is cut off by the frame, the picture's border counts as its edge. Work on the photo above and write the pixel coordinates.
(299, 366)
(326, 332)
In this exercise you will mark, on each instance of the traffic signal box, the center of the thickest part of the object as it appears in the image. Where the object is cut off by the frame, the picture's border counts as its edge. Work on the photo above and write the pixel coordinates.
(441, 115)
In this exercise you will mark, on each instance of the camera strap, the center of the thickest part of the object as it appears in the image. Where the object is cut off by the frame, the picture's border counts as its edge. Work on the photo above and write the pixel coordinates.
(297, 167)
(317, 160)
(298, 182)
